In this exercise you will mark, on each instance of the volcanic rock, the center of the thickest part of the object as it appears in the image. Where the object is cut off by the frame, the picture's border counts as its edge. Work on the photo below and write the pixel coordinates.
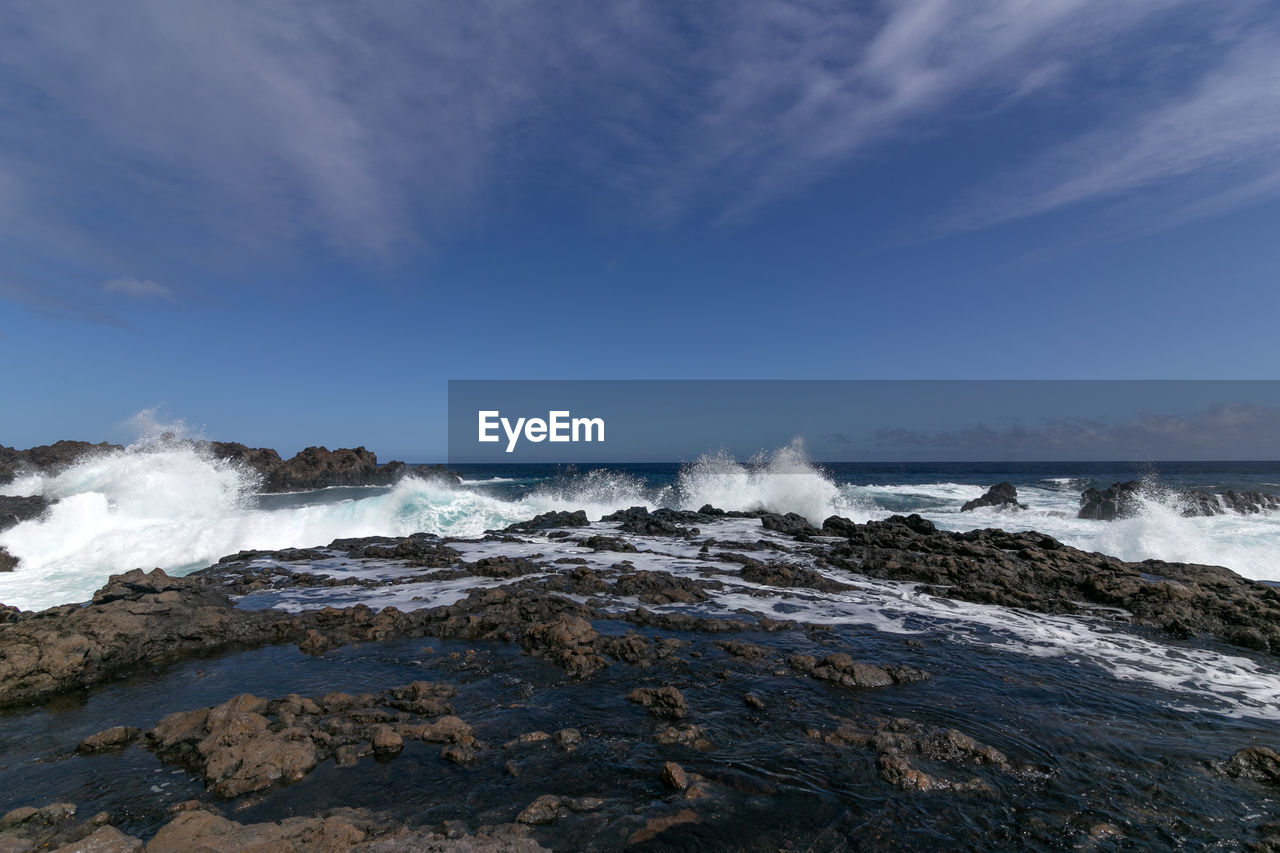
(1000, 496)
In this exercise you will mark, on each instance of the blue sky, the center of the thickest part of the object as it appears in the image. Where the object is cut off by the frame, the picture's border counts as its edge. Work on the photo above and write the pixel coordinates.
(292, 223)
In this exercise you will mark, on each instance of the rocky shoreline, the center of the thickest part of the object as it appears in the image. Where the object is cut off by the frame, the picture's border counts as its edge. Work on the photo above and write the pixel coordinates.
(310, 468)
(613, 607)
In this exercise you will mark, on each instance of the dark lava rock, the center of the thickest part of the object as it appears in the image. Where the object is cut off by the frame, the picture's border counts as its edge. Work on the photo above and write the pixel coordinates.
(8, 563)
(1120, 500)
(608, 543)
(549, 626)
(319, 467)
(791, 524)
(17, 509)
(1243, 503)
(660, 522)
(663, 588)
(421, 550)
(1000, 496)
(503, 567)
(781, 574)
(261, 460)
(666, 702)
(47, 458)
(551, 521)
(1036, 572)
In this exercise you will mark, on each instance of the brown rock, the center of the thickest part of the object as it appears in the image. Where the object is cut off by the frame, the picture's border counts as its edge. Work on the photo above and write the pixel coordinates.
(656, 826)
(115, 737)
(105, 839)
(673, 776)
(666, 702)
(386, 742)
(544, 810)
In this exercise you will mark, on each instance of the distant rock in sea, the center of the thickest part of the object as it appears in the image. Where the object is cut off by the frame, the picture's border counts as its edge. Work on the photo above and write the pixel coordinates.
(999, 496)
(1124, 500)
(311, 468)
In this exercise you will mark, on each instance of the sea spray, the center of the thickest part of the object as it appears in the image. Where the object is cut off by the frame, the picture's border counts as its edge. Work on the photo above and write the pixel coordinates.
(165, 502)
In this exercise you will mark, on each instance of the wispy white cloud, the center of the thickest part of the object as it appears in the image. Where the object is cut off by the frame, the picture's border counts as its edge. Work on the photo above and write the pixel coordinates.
(148, 129)
(138, 289)
(1214, 148)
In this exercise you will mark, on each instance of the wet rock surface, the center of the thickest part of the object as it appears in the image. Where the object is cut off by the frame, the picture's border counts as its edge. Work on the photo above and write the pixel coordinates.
(531, 690)
(1036, 572)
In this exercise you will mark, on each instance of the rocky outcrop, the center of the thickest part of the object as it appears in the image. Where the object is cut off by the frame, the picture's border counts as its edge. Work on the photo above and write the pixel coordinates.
(47, 458)
(311, 468)
(8, 563)
(999, 496)
(901, 743)
(1124, 500)
(1220, 503)
(551, 521)
(136, 618)
(1119, 500)
(248, 744)
(1036, 572)
(320, 468)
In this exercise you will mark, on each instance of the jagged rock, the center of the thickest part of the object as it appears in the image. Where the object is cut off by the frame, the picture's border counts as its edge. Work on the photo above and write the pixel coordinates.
(47, 458)
(1036, 572)
(791, 524)
(1123, 500)
(1000, 496)
(550, 521)
(784, 575)
(1120, 500)
(8, 562)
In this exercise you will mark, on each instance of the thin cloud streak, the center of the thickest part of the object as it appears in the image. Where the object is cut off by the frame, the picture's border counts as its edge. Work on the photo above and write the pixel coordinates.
(1227, 127)
(138, 289)
(152, 129)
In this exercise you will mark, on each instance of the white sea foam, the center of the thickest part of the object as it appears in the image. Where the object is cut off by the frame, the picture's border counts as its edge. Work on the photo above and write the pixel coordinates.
(161, 502)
